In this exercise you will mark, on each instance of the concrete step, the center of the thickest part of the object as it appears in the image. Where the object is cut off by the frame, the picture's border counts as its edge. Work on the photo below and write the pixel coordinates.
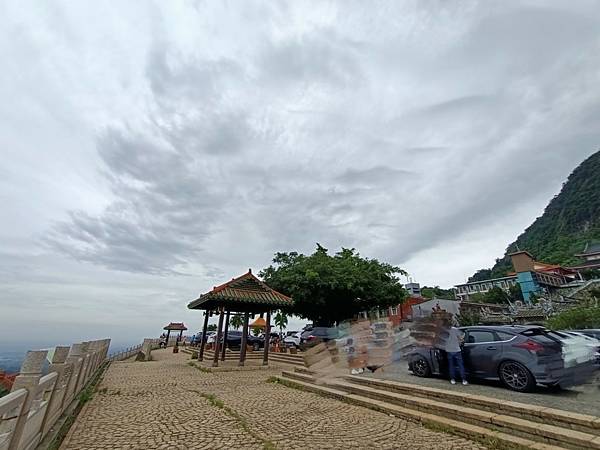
(304, 370)
(566, 419)
(534, 431)
(254, 356)
(500, 439)
(294, 375)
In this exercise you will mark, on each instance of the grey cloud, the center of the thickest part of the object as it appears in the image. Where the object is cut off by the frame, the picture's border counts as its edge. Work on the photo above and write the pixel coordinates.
(312, 136)
(374, 175)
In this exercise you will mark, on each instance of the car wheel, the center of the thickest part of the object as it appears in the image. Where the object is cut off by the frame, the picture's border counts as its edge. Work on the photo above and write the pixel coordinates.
(516, 376)
(420, 367)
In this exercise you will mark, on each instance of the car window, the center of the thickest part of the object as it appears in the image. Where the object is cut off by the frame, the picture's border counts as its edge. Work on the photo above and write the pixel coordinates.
(504, 336)
(477, 336)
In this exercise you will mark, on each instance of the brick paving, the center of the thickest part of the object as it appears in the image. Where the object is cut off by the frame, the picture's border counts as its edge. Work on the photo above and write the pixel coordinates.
(167, 404)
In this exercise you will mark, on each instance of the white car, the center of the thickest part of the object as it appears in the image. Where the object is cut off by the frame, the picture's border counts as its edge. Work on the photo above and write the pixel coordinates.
(579, 348)
(293, 339)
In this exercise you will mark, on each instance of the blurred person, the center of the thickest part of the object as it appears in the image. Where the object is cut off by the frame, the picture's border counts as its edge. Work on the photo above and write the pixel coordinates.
(453, 350)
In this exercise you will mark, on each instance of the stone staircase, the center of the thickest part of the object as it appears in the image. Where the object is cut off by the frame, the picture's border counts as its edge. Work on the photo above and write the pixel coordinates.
(282, 358)
(505, 424)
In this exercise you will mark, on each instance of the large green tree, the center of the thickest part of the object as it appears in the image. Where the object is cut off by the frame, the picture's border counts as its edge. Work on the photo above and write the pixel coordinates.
(330, 288)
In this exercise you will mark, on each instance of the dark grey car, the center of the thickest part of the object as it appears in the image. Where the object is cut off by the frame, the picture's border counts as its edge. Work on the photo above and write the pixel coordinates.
(519, 356)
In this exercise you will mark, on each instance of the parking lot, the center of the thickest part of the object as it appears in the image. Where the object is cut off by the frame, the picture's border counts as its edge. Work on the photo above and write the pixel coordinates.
(584, 399)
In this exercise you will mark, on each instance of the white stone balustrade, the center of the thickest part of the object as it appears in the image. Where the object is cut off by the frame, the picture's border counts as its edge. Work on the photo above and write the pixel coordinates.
(37, 401)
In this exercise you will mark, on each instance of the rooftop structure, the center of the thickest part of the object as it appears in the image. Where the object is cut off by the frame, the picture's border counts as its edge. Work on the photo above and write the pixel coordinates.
(174, 326)
(536, 277)
(590, 256)
(244, 294)
(464, 291)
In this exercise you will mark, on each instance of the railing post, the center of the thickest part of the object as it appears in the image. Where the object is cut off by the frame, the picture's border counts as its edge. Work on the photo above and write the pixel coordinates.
(58, 392)
(28, 378)
(86, 362)
(76, 357)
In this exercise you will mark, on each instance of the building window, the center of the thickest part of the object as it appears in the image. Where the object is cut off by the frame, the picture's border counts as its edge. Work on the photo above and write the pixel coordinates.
(394, 311)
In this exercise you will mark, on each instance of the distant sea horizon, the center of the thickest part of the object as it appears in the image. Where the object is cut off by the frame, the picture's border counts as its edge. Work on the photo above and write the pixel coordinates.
(12, 355)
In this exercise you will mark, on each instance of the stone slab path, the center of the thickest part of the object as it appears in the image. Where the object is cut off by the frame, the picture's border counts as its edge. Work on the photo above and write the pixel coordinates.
(167, 404)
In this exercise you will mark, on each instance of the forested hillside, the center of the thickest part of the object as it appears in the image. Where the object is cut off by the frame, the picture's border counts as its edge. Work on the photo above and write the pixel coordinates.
(570, 220)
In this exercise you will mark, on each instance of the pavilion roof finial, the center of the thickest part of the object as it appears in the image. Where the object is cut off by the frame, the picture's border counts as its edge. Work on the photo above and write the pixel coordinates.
(250, 270)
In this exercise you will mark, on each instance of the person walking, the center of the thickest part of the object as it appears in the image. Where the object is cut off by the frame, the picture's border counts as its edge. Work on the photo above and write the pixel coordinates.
(455, 338)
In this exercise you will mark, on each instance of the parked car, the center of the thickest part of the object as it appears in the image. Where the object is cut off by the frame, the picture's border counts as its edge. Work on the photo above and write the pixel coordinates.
(209, 334)
(234, 340)
(580, 347)
(316, 335)
(519, 356)
(593, 333)
(293, 340)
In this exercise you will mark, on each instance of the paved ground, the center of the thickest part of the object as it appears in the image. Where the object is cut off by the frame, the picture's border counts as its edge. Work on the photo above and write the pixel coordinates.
(583, 399)
(168, 404)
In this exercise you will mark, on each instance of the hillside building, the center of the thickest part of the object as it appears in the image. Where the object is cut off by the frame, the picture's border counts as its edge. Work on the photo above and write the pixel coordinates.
(465, 291)
(536, 278)
(590, 257)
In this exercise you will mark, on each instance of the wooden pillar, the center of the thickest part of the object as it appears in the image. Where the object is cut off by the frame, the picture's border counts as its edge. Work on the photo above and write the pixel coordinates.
(225, 336)
(168, 334)
(218, 339)
(267, 339)
(180, 334)
(244, 339)
(203, 343)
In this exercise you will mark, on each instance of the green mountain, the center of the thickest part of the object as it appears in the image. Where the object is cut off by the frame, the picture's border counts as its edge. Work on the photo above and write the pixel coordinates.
(571, 219)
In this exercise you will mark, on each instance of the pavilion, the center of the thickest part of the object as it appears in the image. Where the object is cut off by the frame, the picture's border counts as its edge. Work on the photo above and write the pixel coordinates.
(175, 326)
(245, 294)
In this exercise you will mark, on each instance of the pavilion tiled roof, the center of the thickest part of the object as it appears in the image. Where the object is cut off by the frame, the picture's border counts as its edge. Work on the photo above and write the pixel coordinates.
(243, 290)
(178, 326)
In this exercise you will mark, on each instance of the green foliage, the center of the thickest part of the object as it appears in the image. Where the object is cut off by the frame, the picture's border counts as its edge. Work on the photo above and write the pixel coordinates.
(577, 318)
(570, 220)
(236, 321)
(468, 319)
(590, 274)
(328, 289)
(437, 292)
(281, 320)
(515, 293)
(211, 327)
(3, 391)
(256, 331)
(481, 275)
(496, 295)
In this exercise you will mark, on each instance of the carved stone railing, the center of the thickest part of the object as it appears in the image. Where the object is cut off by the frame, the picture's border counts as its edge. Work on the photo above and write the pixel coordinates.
(148, 344)
(36, 402)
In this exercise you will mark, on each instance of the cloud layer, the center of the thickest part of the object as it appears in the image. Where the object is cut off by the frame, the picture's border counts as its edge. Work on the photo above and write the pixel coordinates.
(160, 140)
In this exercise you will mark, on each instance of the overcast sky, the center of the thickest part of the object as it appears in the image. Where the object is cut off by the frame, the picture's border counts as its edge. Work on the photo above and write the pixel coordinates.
(151, 150)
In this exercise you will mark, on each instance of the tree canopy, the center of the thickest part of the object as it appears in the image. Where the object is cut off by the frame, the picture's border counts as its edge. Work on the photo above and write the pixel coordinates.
(331, 288)
(281, 320)
(437, 292)
(236, 321)
(576, 318)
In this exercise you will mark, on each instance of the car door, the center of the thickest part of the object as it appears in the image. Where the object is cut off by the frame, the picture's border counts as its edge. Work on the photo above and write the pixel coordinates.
(481, 353)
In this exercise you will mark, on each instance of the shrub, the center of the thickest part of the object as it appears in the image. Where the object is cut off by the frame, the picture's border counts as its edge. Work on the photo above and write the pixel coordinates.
(576, 318)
